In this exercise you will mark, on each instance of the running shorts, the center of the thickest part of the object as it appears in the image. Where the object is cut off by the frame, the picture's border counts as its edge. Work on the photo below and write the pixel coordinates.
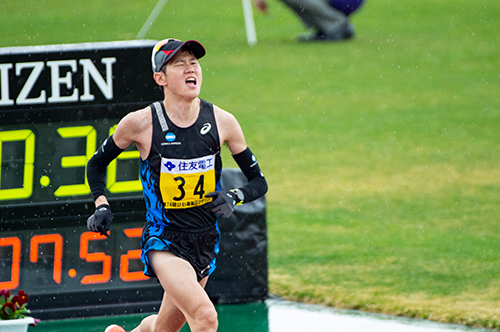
(197, 246)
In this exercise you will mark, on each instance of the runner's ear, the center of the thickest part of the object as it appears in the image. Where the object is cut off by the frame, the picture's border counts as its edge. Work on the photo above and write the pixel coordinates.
(160, 78)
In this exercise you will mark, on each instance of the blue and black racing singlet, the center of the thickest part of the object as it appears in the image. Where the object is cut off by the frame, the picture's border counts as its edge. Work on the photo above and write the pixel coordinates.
(183, 166)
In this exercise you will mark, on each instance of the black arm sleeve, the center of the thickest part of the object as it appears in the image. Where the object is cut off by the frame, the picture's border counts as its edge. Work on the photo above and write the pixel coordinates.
(96, 167)
(257, 184)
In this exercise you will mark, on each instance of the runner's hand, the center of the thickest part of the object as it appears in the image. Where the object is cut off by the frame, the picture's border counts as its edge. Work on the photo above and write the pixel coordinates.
(222, 203)
(101, 220)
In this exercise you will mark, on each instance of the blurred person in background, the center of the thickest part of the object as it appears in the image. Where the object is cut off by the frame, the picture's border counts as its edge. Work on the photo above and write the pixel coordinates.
(329, 19)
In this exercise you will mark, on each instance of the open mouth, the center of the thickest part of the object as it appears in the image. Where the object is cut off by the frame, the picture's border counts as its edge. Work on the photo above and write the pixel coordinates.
(191, 80)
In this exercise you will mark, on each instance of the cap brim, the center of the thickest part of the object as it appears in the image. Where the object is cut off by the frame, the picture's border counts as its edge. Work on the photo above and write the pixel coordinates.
(195, 47)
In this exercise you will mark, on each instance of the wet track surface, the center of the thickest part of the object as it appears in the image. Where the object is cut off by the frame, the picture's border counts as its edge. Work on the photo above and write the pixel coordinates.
(273, 316)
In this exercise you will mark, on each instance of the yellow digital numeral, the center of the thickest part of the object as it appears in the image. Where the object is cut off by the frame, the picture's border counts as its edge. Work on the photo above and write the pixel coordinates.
(77, 161)
(28, 137)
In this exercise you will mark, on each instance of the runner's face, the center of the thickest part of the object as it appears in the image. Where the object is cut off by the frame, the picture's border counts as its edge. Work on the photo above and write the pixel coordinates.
(183, 75)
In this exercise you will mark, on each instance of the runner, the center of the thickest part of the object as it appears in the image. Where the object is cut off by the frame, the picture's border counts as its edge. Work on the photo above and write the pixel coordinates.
(179, 140)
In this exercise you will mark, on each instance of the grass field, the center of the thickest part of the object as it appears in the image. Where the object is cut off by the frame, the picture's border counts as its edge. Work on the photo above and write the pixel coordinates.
(381, 153)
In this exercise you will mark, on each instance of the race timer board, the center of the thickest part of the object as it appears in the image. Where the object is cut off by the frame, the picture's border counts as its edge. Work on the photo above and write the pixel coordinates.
(57, 105)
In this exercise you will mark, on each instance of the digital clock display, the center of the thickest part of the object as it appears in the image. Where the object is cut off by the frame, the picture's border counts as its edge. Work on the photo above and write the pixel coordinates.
(46, 162)
(57, 105)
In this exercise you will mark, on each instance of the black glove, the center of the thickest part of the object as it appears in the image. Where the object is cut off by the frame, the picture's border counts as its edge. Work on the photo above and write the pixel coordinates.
(222, 203)
(101, 220)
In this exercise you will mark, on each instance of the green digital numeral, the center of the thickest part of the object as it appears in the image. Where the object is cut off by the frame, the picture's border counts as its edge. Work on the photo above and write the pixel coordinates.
(29, 159)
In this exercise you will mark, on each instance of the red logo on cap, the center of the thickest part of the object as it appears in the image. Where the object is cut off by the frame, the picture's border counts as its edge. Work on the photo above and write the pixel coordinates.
(168, 52)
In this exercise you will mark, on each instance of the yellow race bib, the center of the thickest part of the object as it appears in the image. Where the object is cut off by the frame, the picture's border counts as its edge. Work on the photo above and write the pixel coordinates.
(184, 182)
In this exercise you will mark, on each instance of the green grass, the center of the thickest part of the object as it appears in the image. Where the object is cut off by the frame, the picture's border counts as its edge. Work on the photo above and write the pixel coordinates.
(381, 153)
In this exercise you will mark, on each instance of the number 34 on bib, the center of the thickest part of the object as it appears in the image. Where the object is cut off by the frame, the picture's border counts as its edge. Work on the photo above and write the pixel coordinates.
(184, 182)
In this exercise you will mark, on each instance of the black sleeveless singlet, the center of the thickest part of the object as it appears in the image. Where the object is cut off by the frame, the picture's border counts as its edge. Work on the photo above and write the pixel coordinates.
(183, 166)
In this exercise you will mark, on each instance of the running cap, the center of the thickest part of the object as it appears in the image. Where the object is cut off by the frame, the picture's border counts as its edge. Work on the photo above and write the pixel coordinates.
(167, 48)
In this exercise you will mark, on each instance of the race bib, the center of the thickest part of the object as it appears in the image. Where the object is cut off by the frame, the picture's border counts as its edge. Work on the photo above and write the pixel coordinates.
(184, 182)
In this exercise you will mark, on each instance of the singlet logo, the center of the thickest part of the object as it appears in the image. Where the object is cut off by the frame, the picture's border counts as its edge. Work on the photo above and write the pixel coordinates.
(170, 137)
(206, 128)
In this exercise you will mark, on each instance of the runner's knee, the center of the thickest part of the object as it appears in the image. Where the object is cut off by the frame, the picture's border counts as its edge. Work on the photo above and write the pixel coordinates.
(206, 318)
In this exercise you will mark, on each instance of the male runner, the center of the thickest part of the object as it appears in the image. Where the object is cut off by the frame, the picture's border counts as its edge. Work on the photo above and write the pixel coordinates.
(179, 140)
